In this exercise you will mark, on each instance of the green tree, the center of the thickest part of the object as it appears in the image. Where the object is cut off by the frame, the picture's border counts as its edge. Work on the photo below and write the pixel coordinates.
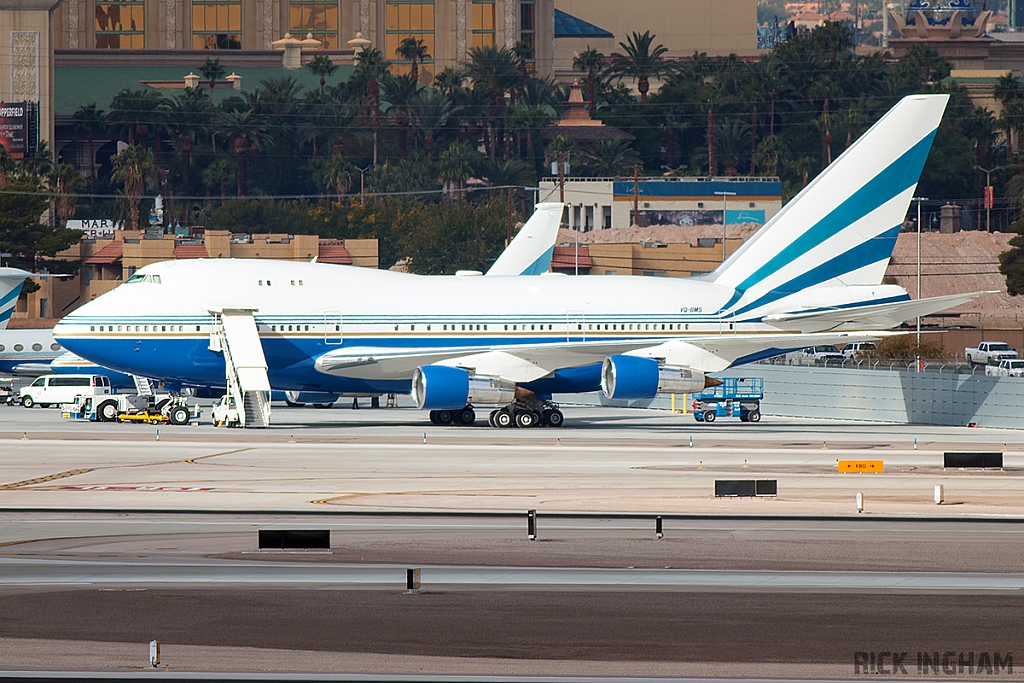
(135, 170)
(211, 70)
(247, 131)
(590, 62)
(456, 166)
(188, 119)
(433, 110)
(641, 61)
(370, 69)
(136, 113)
(1011, 262)
(495, 72)
(609, 158)
(22, 202)
(219, 176)
(64, 181)
(413, 50)
(91, 122)
(401, 94)
(321, 66)
(446, 237)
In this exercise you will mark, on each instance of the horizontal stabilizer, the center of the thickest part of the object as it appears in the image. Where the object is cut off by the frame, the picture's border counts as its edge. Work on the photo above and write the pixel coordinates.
(878, 316)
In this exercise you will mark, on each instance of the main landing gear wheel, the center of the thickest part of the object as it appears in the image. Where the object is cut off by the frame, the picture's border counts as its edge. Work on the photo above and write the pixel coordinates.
(525, 420)
(490, 418)
(503, 419)
(466, 416)
(553, 418)
(107, 411)
(441, 417)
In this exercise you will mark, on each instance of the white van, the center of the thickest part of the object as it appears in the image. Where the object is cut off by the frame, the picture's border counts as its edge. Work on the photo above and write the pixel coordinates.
(56, 389)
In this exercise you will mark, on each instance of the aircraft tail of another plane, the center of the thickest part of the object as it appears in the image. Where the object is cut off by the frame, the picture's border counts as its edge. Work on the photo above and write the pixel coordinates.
(11, 282)
(529, 253)
(839, 231)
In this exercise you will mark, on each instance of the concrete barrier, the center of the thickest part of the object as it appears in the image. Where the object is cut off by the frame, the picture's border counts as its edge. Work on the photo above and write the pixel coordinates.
(897, 396)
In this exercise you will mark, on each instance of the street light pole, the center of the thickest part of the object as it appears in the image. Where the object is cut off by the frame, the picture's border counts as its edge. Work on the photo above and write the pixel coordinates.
(725, 217)
(919, 200)
(362, 184)
(989, 198)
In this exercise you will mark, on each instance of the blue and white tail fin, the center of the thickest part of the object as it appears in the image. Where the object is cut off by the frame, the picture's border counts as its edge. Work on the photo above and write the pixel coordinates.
(11, 281)
(529, 253)
(840, 231)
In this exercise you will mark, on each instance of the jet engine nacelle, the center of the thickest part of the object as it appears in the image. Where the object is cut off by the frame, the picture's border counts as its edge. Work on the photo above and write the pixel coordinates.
(436, 387)
(632, 377)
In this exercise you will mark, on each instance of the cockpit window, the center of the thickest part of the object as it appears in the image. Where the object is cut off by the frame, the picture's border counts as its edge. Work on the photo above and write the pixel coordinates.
(139, 277)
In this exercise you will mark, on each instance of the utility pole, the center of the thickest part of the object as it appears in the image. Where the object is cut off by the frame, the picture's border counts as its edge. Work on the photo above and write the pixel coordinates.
(989, 195)
(919, 200)
(636, 194)
(725, 217)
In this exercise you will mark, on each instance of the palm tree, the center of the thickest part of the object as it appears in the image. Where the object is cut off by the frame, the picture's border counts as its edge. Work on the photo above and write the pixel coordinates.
(64, 181)
(218, 175)
(370, 68)
(495, 71)
(641, 62)
(732, 139)
(91, 121)
(510, 174)
(135, 169)
(400, 93)
(247, 132)
(322, 66)
(134, 112)
(188, 118)
(449, 80)
(415, 51)
(211, 70)
(609, 158)
(333, 174)
(590, 61)
(433, 109)
(455, 167)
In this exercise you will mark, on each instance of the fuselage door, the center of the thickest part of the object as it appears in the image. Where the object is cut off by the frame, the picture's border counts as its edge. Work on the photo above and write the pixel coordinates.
(575, 326)
(333, 327)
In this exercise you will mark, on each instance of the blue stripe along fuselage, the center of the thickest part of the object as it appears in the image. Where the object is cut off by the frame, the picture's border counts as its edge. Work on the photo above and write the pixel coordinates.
(188, 360)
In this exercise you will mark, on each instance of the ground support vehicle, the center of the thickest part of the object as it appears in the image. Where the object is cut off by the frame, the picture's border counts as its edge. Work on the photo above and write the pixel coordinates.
(989, 353)
(132, 408)
(1008, 367)
(50, 390)
(735, 397)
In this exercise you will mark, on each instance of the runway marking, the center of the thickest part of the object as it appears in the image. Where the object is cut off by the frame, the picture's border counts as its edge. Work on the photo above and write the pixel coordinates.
(71, 473)
(192, 461)
(49, 477)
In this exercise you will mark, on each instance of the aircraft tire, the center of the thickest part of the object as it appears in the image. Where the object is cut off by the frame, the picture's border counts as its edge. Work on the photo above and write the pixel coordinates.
(179, 415)
(292, 404)
(107, 412)
(433, 417)
(526, 419)
(504, 419)
(445, 417)
(467, 416)
(490, 418)
(554, 418)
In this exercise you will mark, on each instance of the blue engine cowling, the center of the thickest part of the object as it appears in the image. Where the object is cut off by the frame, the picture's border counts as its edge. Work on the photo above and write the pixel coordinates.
(436, 387)
(633, 377)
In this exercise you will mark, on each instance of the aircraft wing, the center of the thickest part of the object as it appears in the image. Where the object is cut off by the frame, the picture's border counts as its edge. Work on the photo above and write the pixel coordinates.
(526, 363)
(879, 316)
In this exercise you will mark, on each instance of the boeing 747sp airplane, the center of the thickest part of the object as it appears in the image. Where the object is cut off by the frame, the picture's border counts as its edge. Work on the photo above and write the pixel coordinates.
(811, 275)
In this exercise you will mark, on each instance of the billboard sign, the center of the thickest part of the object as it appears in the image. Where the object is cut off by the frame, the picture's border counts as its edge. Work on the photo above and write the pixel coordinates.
(18, 128)
(96, 228)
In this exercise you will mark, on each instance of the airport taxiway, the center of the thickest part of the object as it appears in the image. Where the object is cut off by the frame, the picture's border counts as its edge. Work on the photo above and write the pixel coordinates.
(110, 538)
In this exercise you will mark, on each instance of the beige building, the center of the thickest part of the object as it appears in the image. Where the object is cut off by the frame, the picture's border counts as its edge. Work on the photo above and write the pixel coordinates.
(647, 258)
(106, 263)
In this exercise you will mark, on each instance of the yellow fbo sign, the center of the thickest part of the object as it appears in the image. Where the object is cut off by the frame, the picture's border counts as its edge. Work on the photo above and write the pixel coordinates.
(861, 466)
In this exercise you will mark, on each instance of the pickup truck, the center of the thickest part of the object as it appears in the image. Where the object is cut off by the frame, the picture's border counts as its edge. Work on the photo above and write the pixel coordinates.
(1008, 367)
(989, 353)
(815, 355)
